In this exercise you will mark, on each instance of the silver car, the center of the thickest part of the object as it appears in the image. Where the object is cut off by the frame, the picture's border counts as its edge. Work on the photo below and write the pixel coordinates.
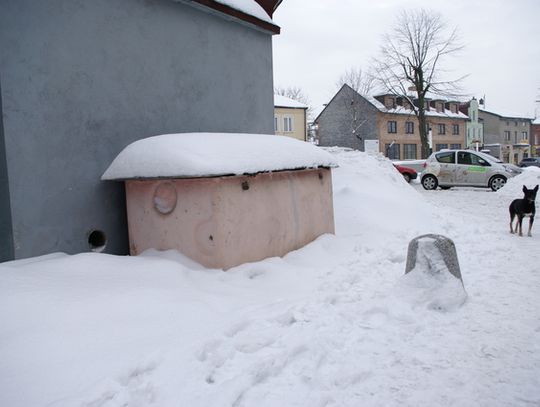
(449, 168)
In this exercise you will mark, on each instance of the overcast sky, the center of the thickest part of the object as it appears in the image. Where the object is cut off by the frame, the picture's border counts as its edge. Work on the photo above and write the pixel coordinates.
(321, 39)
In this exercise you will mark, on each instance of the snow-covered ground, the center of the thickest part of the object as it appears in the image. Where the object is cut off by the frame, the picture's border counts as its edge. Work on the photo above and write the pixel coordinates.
(332, 324)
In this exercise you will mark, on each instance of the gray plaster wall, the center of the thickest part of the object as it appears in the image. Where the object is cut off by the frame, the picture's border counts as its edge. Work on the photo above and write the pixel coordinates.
(6, 234)
(82, 79)
(492, 133)
(336, 121)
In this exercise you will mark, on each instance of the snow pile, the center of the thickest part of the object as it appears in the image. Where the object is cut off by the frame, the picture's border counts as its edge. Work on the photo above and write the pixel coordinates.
(371, 198)
(530, 177)
(188, 155)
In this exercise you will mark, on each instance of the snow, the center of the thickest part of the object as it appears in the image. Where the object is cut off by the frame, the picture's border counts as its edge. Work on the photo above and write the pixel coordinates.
(506, 113)
(250, 7)
(283, 101)
(188, 155)
(336, 323)
(514, 186)
(405, 111)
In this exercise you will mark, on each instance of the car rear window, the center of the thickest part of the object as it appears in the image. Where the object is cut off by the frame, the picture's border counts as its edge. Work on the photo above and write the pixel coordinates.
(447, 157)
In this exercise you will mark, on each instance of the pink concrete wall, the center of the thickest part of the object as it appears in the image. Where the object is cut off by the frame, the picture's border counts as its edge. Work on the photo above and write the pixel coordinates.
(225, 221)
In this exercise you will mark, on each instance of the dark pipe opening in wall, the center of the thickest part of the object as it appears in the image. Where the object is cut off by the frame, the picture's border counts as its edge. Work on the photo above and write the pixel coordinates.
(97, 240)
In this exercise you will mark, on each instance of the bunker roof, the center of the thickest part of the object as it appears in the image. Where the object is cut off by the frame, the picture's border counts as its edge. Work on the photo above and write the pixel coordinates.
(198, 155)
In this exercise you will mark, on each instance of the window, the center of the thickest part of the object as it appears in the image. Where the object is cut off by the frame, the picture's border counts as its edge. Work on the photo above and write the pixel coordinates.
(524, 135)
(409, 127)
(446, 158)
(392, 151)
(392, 126)
(455, 146)
(515, 123)
(287, 124)
(439, 147)
(275, 123)
(409, 151)
(455, 129)
(390, 102)
(507, 135)
(442, 128)
(467, 158)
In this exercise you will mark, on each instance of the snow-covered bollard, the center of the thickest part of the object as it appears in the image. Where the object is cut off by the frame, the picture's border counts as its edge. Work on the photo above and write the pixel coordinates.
(432, 274)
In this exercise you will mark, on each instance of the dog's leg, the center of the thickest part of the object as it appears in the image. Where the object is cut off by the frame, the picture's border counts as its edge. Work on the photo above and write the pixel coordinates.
(531, 220)
(512, 221)
(520, 222)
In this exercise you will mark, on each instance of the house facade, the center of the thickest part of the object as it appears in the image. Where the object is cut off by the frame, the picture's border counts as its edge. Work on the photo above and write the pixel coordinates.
(80, 81)
(535, 137)
(290, 118)
(348, 120)
(388, 120)
(474, 127)
(506, 136)
(398, 126)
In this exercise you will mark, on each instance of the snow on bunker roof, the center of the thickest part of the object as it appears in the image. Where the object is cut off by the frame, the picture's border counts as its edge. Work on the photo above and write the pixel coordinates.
(197, 155)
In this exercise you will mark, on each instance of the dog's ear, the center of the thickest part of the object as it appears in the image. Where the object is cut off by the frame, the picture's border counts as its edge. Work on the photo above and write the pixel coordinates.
(525, 188)
(535, 189)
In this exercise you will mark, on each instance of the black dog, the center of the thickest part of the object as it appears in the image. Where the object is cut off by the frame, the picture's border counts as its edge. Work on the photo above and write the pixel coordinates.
(523, 207)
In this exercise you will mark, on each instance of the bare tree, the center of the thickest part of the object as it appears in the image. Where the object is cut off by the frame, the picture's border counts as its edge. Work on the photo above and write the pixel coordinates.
(361, 83)
(295, 93)
(410, 59)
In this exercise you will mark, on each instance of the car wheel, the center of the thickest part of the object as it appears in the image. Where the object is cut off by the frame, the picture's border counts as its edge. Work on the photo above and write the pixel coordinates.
(429, 182)
(407, 177)
(497, 182)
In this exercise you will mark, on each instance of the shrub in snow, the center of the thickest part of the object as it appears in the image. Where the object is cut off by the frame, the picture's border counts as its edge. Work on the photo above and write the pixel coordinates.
(432, 275)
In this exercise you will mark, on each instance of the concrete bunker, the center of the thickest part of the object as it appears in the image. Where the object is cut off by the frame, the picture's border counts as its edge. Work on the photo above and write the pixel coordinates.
(225, 199)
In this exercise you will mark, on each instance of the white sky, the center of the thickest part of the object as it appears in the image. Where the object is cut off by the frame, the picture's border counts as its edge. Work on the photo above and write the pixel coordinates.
(321, 39)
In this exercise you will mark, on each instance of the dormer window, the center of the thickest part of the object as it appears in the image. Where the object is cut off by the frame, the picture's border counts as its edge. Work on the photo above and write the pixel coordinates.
(390, 103)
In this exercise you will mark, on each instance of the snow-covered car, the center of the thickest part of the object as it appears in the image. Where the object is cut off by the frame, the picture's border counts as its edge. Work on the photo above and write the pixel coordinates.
(531, 161)
(449, 168)
(407, 172)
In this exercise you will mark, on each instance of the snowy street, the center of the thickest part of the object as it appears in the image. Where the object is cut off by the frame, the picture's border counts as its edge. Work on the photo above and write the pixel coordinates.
(332, 324)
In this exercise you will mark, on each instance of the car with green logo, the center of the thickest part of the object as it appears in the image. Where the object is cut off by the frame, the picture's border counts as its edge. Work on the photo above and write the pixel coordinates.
(466, 168)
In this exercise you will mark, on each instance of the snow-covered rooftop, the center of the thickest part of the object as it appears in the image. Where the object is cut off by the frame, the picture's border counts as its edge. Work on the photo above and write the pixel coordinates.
(283, 101)
(403, 110)
(505, 113)
(250, 7)
(193, 155)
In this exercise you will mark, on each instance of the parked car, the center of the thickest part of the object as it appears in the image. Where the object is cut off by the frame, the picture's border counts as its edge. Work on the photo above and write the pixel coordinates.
(449, 168)
(407, 172)
(532, 161)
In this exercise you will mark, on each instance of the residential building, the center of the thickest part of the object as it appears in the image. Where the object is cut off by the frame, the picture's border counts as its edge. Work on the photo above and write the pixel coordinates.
(535, 137)
(389, 120)
(398, 126)
(81, 80)
(506, 135)
(474, 127)
(348, 120)
(290, 118)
